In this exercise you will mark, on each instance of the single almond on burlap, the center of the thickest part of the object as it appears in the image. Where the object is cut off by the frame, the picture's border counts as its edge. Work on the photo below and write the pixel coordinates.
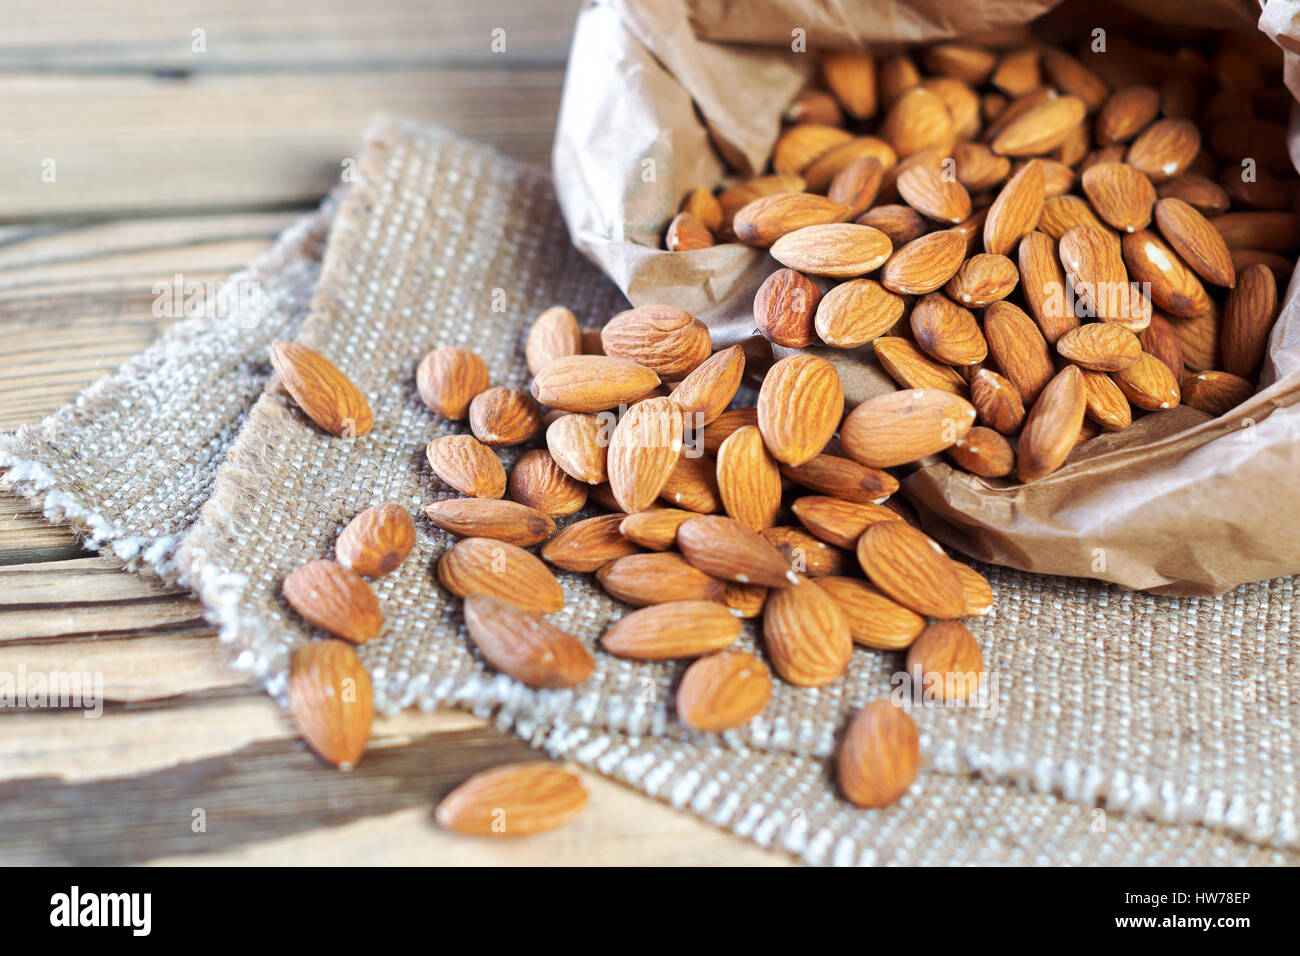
(910, 367)
(1019, 349)
(900, 223)
(1063, 213)
(506, 521)
(538, 482)
(857, 185)
(643, 451)
(1096, 269)
(1174, 287)
(1042, 280)
(1100, 346)
(918, 119)
(767, 219)
(799, 145)
(1016, 211)
(854, 313)
(693, 485)
(874, 620)
(578, 444)
(1052, 425)
(1165, 148)
(842, 478)
(822, 171)
(686, 233)
(376, 541)
(838, 249)
(321, 390)
(514, 800)
(934, 194)
(669, 341)
(1148, 384)
(448, 379)
(806, 635)
(901, 427)
(784, 306)
(879, 756)
(805, 553)
(851, 76)
(658, 577)
(726, 423)
(924, 264)
(983, 278)
(837, 521)
(704, 206)
(1160, 339)
(467, 465)
(1105, 403)
(335, 599)
(331, 701)
(528, 648)
(723, 691)
(997, 402)
(800, 405)
(554, 334)
(1122, 195)
(1205, 195)
(1126, 113)
(984, 452)
(978, 167)
(1215, 393)
(908, 566)
(590, 544)
(500, 570)
(1040, 129)
(725, 549)
(504, 416)
(1196, 240)
(748, 479)
(655, 529)
(706, 392)
(947, 331)
(1070, 76)
(673, 630)
(1248, 317)
(592, 383)
(945, 661)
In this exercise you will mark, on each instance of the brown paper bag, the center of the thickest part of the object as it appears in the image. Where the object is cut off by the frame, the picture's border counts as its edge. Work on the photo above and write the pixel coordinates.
(659, 91)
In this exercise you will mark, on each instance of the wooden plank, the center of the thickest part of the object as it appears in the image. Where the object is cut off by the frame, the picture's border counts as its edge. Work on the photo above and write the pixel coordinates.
(78, 581)
(26, 536)
(274, 34)
(170, 615)
(124, 144)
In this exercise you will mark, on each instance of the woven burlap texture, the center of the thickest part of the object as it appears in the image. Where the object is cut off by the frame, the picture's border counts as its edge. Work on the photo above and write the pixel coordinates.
(1182, 712)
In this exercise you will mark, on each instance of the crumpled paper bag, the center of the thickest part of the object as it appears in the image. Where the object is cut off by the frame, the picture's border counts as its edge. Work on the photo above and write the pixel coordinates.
(658, 93)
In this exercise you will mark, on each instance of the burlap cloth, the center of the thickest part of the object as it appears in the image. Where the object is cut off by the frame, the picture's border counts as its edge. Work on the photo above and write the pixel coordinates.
(1125, 728)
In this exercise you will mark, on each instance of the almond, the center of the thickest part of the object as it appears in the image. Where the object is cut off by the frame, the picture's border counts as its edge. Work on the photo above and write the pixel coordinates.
(821, 171)
(1121, 195)
(902, 427)
(851, 76)
(978, 167)
(726, 423)
(748, 479)
(806, 636)
(643, 452)
(1248, 318)
(1092, 260)
(984, 452)
(874, 620)
(376, 541)
(948, 332)
(1165, 149)
(514, 800)
(1100, 347)
(1070, 76)
(1058, 178)
(982, 279)
(708, 390)
(324, 393)
(592, 383)
(1017, 73)
(917, 120)
(1198, 337)
(879, 756)
(670, 631)
(335, 599)
(857, 185)
(467, 465)
(784, 306)
(1196, 240)
(1047, 437)
(686, 233)
(997, 402)
(1126, 113)
(1160, 339)
(578, 444)
(1042, 280)
(895, 76)
(693, 485)
(767, 219)
(745, 600)
(964, 61)
(331, 701)
(1062, 213)
(912, 368)
(502, 571)
(588, 545)
(1105, 403)
(704, 206)
(933, 195)
(901, 224)
(805, 554)
(1148, 384)
(924, 264)
(737, 197)
(855, 312)
(448, 379)
(977, 592)
(1205, 195)
(800, 145)
(538, 482)
(839, 249)
(723, 691)
(1040, 129)
(800, 405)
(839, 522)
(842, 478)
(1016, 211)
(1263, 231)
(506, 521)
(555, 334)
(1215, 393)
(655, 529)
(1174, 287)
(659, 337)
(528, 648)
(963, 104)
(728, 550)
(504, 416)
(660, 577)
(1019, 349)
(911, 568)
(945, 661)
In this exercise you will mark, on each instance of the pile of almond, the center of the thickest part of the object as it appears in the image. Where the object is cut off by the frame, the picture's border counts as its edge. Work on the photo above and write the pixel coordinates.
(1045, 244)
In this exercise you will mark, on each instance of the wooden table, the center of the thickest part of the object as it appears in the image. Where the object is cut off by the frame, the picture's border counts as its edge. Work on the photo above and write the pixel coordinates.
(181, 138)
